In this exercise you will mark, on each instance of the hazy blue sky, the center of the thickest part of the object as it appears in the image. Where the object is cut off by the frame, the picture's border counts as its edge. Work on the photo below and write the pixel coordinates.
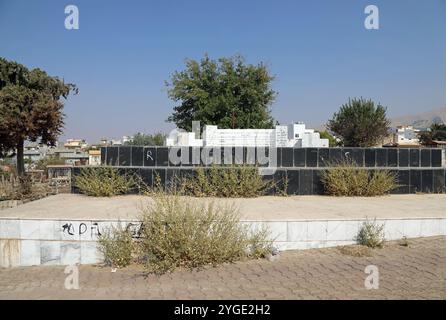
(319, 51)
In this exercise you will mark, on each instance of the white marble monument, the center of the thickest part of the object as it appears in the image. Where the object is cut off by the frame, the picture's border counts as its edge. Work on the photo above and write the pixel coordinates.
(293, 135)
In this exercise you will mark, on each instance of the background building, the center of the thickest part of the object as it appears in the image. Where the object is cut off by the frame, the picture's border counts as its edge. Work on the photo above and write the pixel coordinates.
(94, 157)
(406, 136)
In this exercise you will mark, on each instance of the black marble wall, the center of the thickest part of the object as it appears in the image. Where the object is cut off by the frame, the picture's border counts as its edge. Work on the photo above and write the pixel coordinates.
(302, 181)
(134, 156)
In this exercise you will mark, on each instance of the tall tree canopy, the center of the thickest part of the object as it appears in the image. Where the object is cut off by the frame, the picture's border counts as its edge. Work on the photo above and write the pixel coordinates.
(30, 107)
(224, 92)
(142, 139)
(359, 123)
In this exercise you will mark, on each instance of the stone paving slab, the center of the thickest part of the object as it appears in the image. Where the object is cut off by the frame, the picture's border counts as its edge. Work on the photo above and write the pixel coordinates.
(75, 206)
(414, 272)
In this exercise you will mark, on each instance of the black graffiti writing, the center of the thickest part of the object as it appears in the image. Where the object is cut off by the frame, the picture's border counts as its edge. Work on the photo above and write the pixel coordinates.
(82, 228)
(68, 227)
(95, 229)
(135, 229)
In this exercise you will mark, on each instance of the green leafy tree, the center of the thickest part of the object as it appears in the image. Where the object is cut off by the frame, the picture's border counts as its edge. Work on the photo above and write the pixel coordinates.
(332, 142)
(50, 160)
(225, 92)
(30, 108)
(359, 123)
(437, 132)
(142, 139)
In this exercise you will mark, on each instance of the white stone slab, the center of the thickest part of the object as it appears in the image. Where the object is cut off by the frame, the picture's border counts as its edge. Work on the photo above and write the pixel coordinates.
(90, 253)
(29, 229)
(442, 223)
(9, 253)
(329, 244)
(49, 230)
(317, 231)
(290, 235)
(50, 252)
(9, 229)
(430, 227)
(342, 230)
(336, 230)
(351, 230)
(277, 229)
(297, 231)
(412, 228)
(253, 226)
(291, 245)
(393, 229)
(29, 252)
(316, 244)
(70, 253)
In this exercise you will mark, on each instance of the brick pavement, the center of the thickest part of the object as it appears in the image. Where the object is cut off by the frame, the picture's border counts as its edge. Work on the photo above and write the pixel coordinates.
(414, 272)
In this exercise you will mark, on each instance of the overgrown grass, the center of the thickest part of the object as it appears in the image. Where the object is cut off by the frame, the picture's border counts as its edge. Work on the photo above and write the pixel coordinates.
(22, 188)
(181, 233)
(371, 234)
(9, 188)
(348, 179)
(229, 182)
(117, 246)
(356, 251)
(105, 182)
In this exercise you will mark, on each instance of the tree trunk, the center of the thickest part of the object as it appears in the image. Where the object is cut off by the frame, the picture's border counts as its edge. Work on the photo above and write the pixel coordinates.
(20, 160)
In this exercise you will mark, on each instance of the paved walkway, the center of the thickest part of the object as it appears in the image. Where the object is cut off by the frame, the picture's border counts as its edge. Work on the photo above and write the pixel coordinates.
(414, 272)
(75, 206)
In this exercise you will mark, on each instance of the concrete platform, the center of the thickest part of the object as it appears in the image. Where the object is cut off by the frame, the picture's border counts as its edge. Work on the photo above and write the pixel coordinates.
(80, 207)
(63, 229)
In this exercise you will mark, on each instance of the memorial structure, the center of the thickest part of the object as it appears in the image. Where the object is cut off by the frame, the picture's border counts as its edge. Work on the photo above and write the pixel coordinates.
(294, 135)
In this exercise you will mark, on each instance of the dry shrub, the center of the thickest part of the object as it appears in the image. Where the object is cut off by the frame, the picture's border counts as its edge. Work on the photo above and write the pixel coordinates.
(356, 251)
(230, 182)
(347, 179)
(9, 188)
(105, 182)
(117, 246)
(23, 188)
(371, 234)
(178, 232)
(404, 242)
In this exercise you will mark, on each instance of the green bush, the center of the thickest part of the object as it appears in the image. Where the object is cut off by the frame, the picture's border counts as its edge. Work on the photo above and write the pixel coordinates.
(347, 179)
(42, 164)
(105, 182)
(229, 182)
(371, 234)
(179, 232)
(117, 246)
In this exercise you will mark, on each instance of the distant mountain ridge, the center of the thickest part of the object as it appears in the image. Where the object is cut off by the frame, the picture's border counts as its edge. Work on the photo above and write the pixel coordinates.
(422, 120)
